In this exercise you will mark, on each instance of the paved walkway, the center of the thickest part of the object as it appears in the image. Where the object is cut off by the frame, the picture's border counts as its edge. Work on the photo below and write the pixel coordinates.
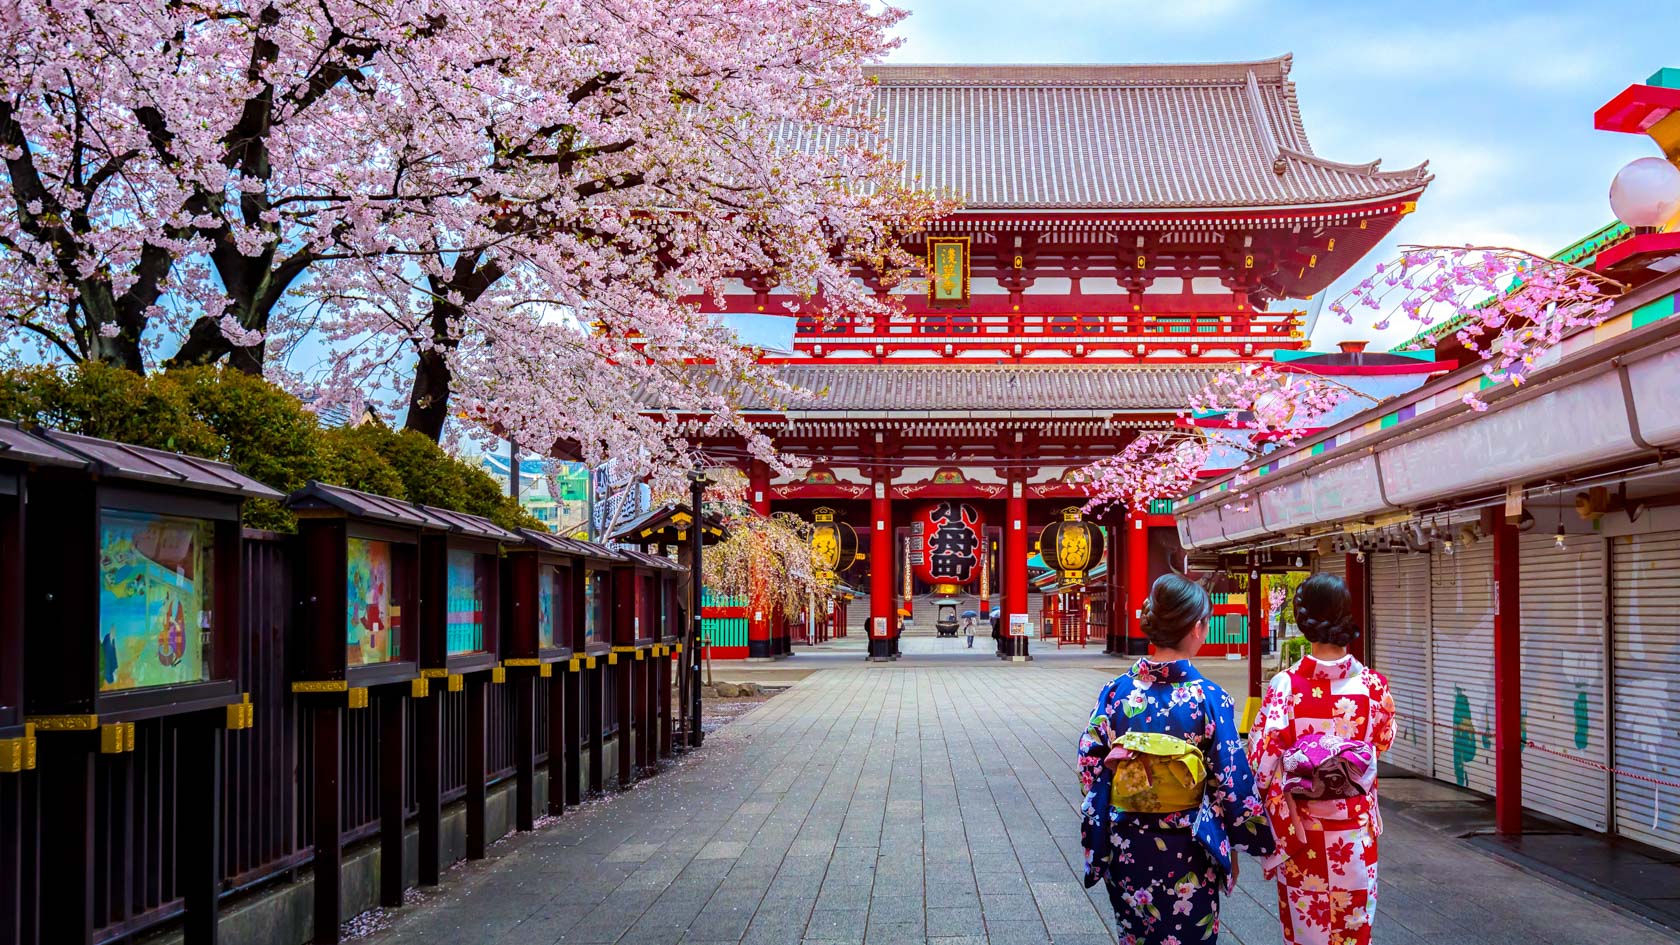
(885, 804)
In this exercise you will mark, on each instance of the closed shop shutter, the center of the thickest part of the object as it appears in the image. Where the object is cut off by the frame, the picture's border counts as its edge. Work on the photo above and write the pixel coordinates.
(1461, 649)
(1333, 564)
(1645, 628)
(1563, 650)
(1399, 649)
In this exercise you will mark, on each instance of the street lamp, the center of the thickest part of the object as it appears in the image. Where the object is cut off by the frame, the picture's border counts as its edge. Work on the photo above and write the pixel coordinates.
(697, 483)
(1646, 193)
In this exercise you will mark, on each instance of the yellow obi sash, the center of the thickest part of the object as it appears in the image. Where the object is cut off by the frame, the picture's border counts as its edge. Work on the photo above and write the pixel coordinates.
(1158, 774)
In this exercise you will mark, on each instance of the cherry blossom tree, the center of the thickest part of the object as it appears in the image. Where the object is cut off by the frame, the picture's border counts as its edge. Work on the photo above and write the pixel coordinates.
(1504, 305)
(1245, 410)
(767, 558)
(172, 168)
(493, 211)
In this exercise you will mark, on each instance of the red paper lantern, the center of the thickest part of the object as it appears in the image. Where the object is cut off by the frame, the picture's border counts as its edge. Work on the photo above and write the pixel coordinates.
(946, 544)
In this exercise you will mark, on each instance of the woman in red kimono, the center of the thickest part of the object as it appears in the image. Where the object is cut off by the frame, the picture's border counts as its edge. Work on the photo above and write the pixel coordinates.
(1314, 749)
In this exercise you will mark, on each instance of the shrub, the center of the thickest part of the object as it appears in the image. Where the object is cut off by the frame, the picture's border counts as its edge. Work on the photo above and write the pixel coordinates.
(260, 429)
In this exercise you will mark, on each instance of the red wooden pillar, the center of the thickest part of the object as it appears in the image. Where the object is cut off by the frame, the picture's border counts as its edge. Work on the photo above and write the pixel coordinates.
(760, 615)
(1256, 613)
(1115, 636)
(1137, 578)
(1507, 683)
(1016, 549)
(883, 551)
(1361, 604)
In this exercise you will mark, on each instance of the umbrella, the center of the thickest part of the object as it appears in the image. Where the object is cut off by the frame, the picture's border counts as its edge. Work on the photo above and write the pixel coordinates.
(996, 612)
(971, 613)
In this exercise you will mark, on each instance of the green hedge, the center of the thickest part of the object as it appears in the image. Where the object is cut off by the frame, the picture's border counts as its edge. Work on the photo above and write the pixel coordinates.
(260, 429)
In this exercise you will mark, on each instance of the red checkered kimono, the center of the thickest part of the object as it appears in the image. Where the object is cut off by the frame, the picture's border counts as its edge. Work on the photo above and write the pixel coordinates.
(1326, 859)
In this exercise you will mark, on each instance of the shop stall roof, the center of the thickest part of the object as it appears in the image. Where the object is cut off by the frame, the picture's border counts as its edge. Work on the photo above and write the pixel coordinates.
(598, 551)
(652, 561)
(120, 461)
(469, 526)
(544, 540)
(21, 446)
(319, 496)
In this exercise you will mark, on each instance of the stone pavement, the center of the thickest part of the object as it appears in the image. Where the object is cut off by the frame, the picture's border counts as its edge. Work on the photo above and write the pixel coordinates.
(892, 804)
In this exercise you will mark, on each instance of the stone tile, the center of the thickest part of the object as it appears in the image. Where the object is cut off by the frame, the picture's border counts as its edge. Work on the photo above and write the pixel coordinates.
(1005, 932)
(837, 924)
(954, 921)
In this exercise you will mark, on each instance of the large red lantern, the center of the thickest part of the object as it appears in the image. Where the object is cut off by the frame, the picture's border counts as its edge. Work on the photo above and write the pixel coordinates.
(946, 545)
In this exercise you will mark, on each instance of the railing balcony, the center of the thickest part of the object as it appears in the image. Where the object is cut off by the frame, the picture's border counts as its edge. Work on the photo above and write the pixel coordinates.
(1018, 326)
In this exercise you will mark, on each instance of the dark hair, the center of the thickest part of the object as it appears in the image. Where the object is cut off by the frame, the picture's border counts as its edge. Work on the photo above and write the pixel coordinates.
(1324, 611)
(1174, 607)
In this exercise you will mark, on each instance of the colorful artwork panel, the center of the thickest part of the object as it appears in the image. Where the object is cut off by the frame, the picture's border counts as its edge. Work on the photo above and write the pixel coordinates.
(155, 599)
(373, 621)
(548, 604)
(469, 585)
(595, 606)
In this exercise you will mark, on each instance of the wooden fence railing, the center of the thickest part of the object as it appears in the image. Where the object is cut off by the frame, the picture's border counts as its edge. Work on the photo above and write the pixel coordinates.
(267, 775)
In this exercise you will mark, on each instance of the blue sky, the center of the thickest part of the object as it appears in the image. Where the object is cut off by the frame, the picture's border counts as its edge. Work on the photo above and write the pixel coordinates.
(1498, 97)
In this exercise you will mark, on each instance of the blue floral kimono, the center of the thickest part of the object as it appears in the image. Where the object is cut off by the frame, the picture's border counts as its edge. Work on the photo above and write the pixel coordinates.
(1164, 871)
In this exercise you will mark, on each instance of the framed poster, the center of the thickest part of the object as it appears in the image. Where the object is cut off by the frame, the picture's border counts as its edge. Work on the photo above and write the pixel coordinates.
(469, 582)
(594, 605)
(155, 599)
(373, 618)
(548, 604)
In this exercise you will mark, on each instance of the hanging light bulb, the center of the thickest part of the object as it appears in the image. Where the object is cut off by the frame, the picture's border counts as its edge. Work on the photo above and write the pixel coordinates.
(1359, 557)
(1557, 540)
(1447, 548)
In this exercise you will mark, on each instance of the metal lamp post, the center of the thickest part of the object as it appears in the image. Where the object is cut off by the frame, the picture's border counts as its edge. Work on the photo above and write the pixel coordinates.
(697, 483)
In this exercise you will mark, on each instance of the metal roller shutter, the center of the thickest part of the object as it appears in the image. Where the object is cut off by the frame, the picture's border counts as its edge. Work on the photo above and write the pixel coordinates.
(1645, 628)
(1563, 650)
(1333, 564)
(1461, 651)
(1399, 649)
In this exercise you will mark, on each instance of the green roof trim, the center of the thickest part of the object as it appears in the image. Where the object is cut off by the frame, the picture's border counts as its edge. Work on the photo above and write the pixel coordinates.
(1578, 253)
(1318, 448)
(1655, 311)
(1390, 420)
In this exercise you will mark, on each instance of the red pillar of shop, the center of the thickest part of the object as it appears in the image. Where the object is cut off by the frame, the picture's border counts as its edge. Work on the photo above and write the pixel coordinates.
(1507, 683)
(1016, 548)
(1361, 604)
(1137, 578)
(1114, 520)
(1256, 613)
(760, 615)
(883, 552)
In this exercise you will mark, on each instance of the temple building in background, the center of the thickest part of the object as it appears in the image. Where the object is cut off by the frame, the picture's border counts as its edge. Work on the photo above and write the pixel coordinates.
(1126, 233)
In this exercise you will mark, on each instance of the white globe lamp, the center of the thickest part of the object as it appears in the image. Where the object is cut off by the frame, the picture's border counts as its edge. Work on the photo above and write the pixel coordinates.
(1274, 408)
(1187, 453)
(1646, 193)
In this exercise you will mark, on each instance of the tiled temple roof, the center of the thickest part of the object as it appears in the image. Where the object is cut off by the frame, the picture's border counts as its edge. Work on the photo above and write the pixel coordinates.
(1117, 137)
(881, 388)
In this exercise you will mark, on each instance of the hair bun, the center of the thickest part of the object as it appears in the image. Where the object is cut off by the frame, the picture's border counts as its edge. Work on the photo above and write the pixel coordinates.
(1324, 611)
(1340, 632)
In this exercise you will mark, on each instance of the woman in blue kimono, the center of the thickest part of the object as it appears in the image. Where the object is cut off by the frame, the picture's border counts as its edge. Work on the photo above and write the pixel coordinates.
(1166, 851)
